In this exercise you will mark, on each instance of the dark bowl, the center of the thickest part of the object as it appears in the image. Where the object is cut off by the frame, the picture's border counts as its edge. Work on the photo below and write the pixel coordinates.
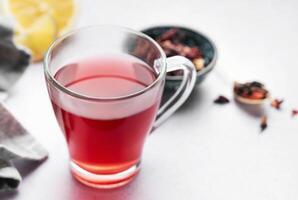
(194, 39)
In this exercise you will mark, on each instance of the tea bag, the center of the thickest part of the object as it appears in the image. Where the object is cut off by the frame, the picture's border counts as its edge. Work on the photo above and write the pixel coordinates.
(15, 141)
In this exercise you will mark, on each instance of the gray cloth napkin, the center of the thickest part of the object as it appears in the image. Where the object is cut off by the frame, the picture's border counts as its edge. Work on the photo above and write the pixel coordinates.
(15, 141)
(13, 61)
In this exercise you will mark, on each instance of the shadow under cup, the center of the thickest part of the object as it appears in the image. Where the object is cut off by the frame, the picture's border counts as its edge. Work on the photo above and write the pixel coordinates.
(105, 134)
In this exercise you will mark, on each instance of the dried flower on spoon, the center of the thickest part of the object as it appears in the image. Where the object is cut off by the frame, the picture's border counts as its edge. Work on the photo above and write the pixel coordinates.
(254, 93)
(250, 93)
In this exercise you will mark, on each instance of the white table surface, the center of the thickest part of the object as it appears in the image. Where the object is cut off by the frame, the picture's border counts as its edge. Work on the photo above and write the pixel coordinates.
(204, 151)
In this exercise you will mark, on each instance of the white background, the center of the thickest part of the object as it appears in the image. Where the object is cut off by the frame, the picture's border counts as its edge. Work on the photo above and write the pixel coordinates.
(204, 151)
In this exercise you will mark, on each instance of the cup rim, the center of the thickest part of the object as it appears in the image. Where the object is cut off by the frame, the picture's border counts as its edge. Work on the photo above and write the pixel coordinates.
(57, 84)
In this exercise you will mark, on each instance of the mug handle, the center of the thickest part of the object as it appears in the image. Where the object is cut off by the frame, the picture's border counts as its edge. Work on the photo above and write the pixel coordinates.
(182, 93)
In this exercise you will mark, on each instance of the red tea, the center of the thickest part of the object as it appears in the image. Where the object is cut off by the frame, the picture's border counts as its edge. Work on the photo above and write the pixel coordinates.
(106, 137)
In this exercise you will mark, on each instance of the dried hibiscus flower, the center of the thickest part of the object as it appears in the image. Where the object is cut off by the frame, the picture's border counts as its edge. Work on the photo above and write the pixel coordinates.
(250, 93)
(294, 112)
(263, 124)
(276, 103)
(199, 63)
(221, 100)
(173, 43)
(168, 35)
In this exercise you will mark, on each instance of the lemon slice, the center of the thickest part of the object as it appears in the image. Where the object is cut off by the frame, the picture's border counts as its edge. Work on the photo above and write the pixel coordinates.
(38, 37)
(27, 12)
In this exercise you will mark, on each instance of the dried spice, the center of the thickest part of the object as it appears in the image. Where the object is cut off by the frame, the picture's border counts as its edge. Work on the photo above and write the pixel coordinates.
(172, 43)
(263, 124)
(276, 103)
(294, 112)
(173, 49)
(199, 63)
(221, 100)
(251, 92)
(168, 35)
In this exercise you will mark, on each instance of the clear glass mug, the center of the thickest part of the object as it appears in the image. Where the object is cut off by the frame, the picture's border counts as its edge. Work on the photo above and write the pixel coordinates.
(106, 134)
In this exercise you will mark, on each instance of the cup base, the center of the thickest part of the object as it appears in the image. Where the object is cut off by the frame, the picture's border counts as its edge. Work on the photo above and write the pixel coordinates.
(104, 181)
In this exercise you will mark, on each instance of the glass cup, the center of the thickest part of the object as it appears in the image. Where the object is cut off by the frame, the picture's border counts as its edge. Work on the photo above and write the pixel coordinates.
(105, 134)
